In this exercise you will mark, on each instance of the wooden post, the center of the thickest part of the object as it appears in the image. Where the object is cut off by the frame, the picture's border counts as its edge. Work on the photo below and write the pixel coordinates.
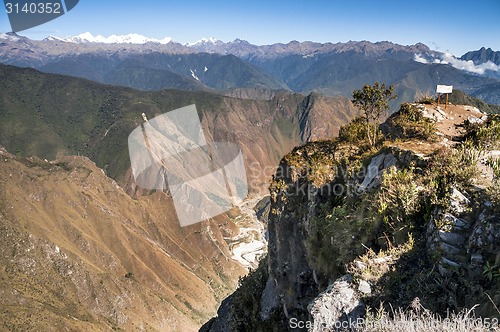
(446, 105)
(439, 96)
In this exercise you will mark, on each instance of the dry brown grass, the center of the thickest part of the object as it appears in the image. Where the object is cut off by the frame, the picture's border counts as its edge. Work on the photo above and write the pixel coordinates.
(419, 319)
(69, 236)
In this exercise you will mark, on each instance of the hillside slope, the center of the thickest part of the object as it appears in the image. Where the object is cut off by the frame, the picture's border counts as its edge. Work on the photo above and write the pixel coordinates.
(51, 115)
(78, 253)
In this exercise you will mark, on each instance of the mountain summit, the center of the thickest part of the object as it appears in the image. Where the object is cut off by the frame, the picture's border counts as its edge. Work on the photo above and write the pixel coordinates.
(483, 55)
(132, 38)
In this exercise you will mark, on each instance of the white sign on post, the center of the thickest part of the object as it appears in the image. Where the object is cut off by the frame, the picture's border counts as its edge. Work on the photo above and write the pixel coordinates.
(444, 89)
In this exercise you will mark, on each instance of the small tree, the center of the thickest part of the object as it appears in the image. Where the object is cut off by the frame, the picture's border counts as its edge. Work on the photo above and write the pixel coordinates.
(373, 101)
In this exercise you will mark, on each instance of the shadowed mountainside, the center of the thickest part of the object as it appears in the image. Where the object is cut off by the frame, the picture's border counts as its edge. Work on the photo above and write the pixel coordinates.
(50, 115)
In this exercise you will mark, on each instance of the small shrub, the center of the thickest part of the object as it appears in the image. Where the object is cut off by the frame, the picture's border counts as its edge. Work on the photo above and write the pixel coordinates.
(355, 132)
(491, 271)
(485, 135)
(337, 233)
(425, 98)
(494, 163)
(409, 122)
(448, 166)
(494, 194)
(398, 198)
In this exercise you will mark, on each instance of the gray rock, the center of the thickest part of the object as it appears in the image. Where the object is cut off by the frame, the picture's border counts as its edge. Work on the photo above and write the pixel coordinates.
(269, 300)
(472, 119)
(448, 262)
(455, 222)
(476, 259)
(485, 237)
(458, 202)
(446, 266)
(451, 238)
(372, 172)
(339, 303)
(364, 287)
(389, 160)
(449, 250)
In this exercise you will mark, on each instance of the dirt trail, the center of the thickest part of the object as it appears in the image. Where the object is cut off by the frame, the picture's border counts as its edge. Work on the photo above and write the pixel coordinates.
(449, 126)
(449, 119)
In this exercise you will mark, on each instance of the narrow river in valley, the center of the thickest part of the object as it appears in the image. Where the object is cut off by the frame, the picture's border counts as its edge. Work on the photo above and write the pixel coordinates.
(250, 244)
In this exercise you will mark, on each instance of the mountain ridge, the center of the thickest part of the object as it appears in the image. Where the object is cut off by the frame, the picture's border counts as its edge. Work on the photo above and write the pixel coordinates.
(303, 67)
(483, 55)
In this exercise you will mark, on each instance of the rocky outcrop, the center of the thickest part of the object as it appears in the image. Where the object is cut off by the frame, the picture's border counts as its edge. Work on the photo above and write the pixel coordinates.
(223, 320)
(448, 232)
(484, 240)
(406, 225)
(459, 238)
(291, 275)
(339, 307)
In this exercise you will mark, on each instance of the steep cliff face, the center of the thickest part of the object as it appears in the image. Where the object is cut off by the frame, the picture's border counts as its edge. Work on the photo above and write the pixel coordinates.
(291, 284)
(412, 223)
(305, 256)
(316, 122)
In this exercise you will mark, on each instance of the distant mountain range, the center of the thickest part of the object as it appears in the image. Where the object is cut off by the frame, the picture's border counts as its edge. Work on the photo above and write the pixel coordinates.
(328, 68)
(79, 254)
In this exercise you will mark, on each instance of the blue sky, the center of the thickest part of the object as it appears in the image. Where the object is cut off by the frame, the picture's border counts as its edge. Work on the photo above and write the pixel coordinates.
(455, 26)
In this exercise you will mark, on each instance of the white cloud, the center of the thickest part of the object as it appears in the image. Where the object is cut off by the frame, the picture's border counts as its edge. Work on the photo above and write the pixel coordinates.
(419, 58)
(469, 66)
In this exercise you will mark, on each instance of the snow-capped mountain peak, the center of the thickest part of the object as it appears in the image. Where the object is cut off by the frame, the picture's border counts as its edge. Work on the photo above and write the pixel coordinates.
(204, 41)
(132, 38)
(54, 38)
(12, 36)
